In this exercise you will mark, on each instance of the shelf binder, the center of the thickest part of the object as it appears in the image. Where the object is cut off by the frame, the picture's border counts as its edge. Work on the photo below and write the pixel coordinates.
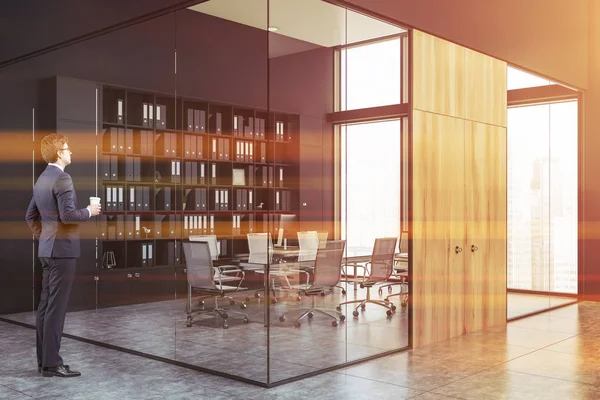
(199, 149)
(161, 116)
(137, 227)
(190, 120)
(137, 174)
(120, 111)
(129, 169)
(173, 145)
(219, 121)
(129, 141)
(144, 114)
(202, 124)
(131, 198)
(146, 198)
(150, 255)
(144, 255)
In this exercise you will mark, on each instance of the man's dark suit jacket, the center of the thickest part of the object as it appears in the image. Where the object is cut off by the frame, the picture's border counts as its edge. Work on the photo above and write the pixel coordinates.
(52, 215)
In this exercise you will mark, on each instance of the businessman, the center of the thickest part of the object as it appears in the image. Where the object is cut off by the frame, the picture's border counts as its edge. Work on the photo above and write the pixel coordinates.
(53, 216)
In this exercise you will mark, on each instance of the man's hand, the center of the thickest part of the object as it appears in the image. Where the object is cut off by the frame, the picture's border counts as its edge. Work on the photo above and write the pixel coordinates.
(94, 209)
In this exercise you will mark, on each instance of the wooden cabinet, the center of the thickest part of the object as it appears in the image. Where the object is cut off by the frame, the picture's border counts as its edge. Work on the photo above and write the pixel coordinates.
(459, 226)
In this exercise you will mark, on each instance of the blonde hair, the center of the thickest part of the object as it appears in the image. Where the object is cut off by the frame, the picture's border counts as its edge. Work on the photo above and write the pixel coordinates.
(51, 145)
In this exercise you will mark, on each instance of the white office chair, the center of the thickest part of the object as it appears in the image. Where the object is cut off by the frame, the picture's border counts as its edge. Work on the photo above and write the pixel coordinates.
(309, 243)
(261, 254)
(201, 279)
(260, 247)
(222, 273)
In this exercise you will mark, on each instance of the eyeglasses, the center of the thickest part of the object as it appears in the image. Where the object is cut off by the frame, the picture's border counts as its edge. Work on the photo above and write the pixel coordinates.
(67, 149)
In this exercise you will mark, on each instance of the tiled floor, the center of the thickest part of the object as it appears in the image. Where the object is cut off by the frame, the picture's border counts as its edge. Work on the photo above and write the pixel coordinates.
(159, 329)
(555, 355)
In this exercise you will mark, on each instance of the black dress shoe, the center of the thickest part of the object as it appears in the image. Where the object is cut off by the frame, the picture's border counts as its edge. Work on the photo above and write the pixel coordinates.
(62, 371)
(40, 368)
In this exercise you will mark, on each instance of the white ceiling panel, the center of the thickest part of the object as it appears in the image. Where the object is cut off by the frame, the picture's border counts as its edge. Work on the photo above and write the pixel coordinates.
(312, 21)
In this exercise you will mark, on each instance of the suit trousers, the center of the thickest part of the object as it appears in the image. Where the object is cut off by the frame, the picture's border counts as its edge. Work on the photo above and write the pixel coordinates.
(57, 280)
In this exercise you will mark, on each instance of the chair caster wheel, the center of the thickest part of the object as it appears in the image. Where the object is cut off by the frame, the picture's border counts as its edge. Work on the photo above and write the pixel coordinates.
(363, 306)
(225, 326)
(338, 308)
(310, 315)
(322, 294)
(246, 320)
(342, 318)
(386, 300)
(334, 323)
(297, 324)
(404, 304)
(343, 291)
(298, 298)
(282, 318)
(389, 313)
(243, 306)
(393, 307)
(201, 302)
(257, 295)
(247, 299)
(231, 302)
(273, 301)
(189, 322)
(225, 316)
(355, 313)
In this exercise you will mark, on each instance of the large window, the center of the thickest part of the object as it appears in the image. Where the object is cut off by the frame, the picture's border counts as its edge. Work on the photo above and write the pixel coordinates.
(372, 75)
(370, 184)
(542, 197)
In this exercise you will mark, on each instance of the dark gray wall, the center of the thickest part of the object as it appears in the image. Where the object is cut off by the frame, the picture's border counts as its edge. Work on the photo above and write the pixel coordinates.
(217, 60)
(33, 25)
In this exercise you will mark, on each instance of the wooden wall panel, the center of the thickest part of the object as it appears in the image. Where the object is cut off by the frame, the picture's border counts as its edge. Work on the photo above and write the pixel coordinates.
(485, 95)
(429, 56)
(451, 80)
(438, 76)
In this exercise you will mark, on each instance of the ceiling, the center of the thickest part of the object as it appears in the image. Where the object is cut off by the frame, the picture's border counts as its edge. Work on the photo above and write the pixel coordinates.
(312, 22)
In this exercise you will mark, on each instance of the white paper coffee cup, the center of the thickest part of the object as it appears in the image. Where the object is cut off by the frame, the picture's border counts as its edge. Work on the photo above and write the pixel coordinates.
(94, 200)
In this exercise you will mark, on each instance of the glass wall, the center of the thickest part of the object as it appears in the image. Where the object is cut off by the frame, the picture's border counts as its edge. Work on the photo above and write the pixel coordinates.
(206, 134)
(542, 205)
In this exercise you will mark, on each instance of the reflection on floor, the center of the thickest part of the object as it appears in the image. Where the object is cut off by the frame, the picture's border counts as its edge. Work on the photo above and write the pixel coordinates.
(554, 355)
(523, 303)
(160, 329)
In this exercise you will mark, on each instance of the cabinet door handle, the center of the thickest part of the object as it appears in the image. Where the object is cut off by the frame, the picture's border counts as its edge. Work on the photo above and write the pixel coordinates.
(458, 249)
(474, 248)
